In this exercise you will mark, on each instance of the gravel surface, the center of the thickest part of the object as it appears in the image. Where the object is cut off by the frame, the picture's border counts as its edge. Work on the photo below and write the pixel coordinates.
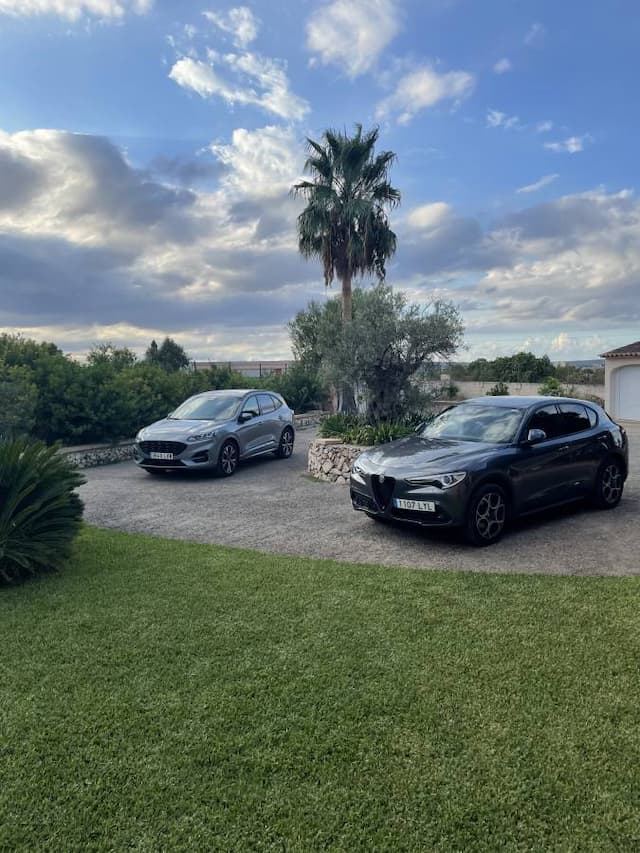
(273, 505)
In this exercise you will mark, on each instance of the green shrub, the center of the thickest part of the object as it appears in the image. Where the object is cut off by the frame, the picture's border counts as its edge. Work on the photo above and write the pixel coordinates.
(300, 386)
(353, 429)
(40, 513)
(500, 389)
(552, 387)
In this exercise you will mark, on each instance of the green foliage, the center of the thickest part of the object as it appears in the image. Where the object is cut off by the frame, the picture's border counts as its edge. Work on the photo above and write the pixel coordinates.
(521, 367)
(40, 513)
(300, 386)
(388, 342)
(354, 429)
(344, 223)
(500, 389)
(169, 356)
(552, 387)
(117, 357)
(18, 400)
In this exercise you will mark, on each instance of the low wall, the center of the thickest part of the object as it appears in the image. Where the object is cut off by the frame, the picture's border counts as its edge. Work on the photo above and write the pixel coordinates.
(331, 460)
(523, 389)
(92, 455)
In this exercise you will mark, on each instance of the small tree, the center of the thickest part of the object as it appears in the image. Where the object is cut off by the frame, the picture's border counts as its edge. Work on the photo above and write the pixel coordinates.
(116, 357)
(500, 389)
(553, 388)
(170, 356)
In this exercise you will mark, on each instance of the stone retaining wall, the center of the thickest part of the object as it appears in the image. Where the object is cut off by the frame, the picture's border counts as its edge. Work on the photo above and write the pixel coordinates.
(331, 460)
(101, 454)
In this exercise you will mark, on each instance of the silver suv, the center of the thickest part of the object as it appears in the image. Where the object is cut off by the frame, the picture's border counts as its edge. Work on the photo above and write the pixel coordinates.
(216, 430)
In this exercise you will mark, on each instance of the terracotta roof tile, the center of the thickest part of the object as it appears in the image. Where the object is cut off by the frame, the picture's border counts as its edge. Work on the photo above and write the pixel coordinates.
(630, 350)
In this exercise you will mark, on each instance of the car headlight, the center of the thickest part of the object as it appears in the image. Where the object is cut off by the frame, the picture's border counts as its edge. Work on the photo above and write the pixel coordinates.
(202, 436)
(358, 468)
(440, 481)
(139, 435)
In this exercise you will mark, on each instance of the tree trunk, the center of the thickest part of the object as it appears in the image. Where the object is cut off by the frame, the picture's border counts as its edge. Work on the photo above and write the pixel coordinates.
(347, 396)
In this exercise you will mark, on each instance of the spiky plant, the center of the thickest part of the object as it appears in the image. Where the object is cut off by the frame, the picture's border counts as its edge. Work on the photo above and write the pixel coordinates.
(345, 221)
(40, 512)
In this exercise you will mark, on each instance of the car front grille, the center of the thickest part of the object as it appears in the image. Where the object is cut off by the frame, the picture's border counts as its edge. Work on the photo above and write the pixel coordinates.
(175, 447)
(382, 488)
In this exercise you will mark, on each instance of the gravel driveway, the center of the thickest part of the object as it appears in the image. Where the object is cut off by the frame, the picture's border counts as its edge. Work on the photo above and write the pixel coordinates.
(272, 505)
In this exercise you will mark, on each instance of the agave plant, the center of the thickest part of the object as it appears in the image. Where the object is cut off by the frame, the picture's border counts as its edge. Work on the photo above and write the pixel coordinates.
(40, 513)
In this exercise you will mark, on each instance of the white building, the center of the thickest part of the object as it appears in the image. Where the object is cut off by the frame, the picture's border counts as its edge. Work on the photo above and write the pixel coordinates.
(622, 382)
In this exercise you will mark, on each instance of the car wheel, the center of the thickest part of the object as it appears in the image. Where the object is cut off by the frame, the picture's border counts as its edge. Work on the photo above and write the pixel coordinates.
(379, 518)
(609, 484)
(487, 515)
(156, 472)
(227, 459)
(285, 448)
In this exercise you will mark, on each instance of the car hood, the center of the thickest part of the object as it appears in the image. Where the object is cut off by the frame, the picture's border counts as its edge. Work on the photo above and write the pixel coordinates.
(417, 454)
(169, 429)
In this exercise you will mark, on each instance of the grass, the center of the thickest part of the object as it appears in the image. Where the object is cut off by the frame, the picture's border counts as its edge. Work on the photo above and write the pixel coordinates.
(169, 696)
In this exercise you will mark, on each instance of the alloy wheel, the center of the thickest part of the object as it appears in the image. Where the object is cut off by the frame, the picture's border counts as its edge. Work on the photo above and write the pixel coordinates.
(491, 514)
(611, 483)
(228, 458)
(286, 443)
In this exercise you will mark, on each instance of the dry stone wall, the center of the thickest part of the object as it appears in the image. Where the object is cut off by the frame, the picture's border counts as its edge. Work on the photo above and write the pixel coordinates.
(331, 460)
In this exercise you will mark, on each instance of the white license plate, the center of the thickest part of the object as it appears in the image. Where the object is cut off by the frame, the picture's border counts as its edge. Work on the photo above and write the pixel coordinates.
(417, 506)
(161, 455)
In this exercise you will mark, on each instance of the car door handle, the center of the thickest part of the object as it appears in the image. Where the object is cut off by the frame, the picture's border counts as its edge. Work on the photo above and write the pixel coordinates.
(565, 447)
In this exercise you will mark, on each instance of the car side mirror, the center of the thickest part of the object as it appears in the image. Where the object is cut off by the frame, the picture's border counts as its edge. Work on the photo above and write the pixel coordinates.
(535, 436)
(244, 417)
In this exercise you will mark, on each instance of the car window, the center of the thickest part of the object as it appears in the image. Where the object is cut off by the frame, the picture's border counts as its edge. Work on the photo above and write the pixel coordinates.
(202, 408)
(277, 402)
(266, 403)
(251, 406)
(574, 418)
(475, 422)
(593, 417)
(547, 419)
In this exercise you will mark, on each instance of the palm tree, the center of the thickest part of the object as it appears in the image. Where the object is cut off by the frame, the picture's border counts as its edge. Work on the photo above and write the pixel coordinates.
(345, 221)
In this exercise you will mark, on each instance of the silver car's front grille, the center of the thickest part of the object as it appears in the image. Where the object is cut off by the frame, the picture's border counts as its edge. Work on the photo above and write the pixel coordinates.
(175, 447)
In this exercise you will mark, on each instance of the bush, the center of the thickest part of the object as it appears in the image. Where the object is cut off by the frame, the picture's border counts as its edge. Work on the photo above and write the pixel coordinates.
(40, 513)
(553, 388)
(500, 389)
(353, 429)
(300, 386)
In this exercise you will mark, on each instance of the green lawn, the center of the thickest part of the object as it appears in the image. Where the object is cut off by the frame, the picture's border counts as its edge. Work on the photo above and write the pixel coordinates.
(170, 696)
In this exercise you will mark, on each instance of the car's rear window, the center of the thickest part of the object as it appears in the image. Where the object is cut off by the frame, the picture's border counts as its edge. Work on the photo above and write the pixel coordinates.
(207, 408)
(471, 422)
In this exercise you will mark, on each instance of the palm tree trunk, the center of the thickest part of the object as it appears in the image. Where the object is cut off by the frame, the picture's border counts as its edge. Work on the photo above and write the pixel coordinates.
(347, 397)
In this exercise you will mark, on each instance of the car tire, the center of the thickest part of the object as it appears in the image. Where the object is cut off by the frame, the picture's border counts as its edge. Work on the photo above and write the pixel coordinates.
(609, 485)
(380, 519)
(487, 515)
(227, 459)
(156, 472)
(285, 448)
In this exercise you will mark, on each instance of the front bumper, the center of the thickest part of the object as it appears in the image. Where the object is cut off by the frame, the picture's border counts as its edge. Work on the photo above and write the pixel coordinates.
(184, 455)
(370, 496)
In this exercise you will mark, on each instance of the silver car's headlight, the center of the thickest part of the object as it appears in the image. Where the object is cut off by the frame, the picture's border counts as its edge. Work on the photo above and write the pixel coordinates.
(139, 435)
(202, 436)
(440, 481)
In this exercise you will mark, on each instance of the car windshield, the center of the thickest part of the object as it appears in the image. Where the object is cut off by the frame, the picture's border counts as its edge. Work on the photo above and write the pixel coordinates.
(207, 409)
(495, 424)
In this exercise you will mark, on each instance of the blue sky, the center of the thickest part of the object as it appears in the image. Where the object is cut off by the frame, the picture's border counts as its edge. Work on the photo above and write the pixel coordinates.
(147, 148)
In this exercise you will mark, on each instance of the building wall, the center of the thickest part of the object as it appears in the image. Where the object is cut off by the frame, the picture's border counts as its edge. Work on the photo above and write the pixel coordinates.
(610, 367)
(524, 389)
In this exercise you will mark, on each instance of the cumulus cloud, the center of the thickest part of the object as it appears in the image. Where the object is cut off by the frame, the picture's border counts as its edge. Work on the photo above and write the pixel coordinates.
(352, 34)
(572, 145)
(423, 88)
(544, 126)
(75, 9)
(258, 81)
(240, 23)
(502, 66)
(544, 181)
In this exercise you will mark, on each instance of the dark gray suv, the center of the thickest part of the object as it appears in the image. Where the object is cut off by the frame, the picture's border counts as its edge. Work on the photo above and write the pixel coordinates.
(216, 430)
(491, 459)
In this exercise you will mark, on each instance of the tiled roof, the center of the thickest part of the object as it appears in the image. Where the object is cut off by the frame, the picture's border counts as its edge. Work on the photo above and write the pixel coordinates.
(630, 350)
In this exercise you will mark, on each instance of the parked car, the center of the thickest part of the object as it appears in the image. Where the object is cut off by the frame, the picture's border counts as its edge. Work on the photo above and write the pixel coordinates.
(217, 430)
(481, 463)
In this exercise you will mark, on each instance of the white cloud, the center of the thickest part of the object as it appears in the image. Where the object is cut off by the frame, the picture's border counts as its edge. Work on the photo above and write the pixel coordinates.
(262, 163)
(497, 119)
(572, 145)
(502, 66)
(544, 126)
(539, 184)
(426, 217)
(259, 81)
(535, 35)
(239, 22)
(352, 33)
(424, 88)
(75, 9)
